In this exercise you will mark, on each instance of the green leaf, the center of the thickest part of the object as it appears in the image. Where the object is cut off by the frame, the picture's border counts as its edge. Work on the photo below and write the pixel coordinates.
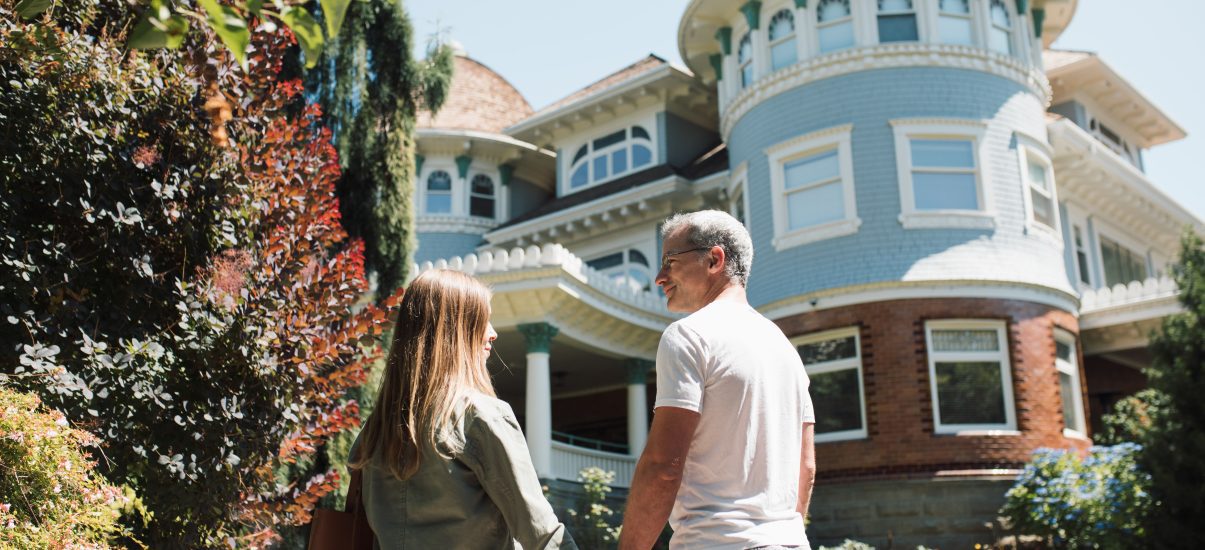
(255, 6)
(231, 28)
(308, 32)
(152, 32)
(28, 9)
(333, 12)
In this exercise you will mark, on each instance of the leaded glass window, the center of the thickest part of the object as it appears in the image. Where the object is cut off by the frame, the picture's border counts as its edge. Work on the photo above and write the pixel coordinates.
(834, 25)
(782, 40)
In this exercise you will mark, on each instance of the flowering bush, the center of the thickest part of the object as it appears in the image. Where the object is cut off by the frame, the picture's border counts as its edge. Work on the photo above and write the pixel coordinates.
(50, 497)
(1100, 501)
(593, 526)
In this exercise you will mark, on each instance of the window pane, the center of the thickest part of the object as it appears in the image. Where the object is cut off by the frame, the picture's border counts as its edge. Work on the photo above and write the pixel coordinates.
(783, 54)
(641, 156)
(955, 30)
(966, 340)
(580, 153)
(782, 25)
(1062, 350)
(956, 6)
(600, 167)
(482, 185)
(606, 262)
(1043, 211)
(610, 139)
(828, 350)
(811, 169)
(837, 401)
(481, 207)
(998, 40)
(814, 206)
(738, 207)
(439, 204)
(1037, 176)
(745, 51)
(831, 10)
(1067, 390)
(439, 181)
(637, 257)
(1000, 14)
(895, 5)
(580, 177)
(640, 132)
(1121, 264)
(897, 28)
(944, 191)
(619, 161)
(836, 37)
(943, 153)
(639, 279)
(746, 75)
(970, 393)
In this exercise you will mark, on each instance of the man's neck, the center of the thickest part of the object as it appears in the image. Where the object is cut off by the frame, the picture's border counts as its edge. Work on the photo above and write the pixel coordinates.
(727, 292)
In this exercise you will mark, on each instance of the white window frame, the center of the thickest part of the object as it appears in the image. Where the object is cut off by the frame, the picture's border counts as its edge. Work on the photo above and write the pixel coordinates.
(839, 365)
(747, 63)
(738, 188)
(953, 128)
(1029, 148)
(816, 26)
(778, 155)
(1009, 427)
(453, 192)
(918, 18)
(1104, 230)
(496, 197)
(1076, 248)
(649, 126)
(989, 28)
(1071, 369)
(934, 15)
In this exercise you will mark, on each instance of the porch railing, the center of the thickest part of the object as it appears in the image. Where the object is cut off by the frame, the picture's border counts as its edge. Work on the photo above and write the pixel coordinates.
(568, 460)
(589, 443)
(1118, 295)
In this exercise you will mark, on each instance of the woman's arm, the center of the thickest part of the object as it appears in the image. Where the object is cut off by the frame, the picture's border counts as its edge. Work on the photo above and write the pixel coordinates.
(503, 466)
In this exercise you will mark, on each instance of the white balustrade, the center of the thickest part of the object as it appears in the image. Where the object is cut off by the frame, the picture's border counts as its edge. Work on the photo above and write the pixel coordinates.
(1119, 294)
(568, 460)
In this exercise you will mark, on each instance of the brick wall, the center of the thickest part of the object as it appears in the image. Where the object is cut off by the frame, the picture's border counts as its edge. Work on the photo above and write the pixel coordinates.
(901, 441)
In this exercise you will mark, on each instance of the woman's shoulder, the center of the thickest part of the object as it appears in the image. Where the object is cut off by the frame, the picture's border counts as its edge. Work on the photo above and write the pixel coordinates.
(490, 409)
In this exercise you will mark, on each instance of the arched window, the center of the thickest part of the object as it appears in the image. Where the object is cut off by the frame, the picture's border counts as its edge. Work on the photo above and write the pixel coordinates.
(439, 193)
(630, 267)
(782, 40)
(835, 25)
(611, 155)
(954, 22)
(744, 57)
(897, 21)
(1000, 35)
(481, 197)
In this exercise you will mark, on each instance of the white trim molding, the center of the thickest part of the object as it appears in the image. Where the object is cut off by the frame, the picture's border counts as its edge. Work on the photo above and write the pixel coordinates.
(842, 364)
(999, 356)
(1069, 366)
(1029, 148)
(779, 155)
(883, 56)
(972, 130)
(471, 225)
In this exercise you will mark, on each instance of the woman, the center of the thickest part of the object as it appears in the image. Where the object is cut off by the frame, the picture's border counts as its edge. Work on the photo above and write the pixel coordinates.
(444, 462)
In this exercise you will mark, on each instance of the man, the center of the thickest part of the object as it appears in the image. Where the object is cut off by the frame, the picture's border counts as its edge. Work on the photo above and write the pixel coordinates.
(730, 449)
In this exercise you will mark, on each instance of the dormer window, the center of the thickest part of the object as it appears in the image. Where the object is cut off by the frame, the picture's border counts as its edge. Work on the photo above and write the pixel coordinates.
(1000, 34)
(835, 25)
(897, 21)
(439, 193)
(481, 197)
(611, 155)
(744, 56)
(782, 40)
(954, 22)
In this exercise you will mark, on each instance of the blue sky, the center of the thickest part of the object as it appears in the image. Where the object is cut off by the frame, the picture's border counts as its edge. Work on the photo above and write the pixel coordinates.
(551, 48)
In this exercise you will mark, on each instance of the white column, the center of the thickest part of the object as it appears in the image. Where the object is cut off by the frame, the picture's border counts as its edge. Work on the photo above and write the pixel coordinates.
(638, 407)
(539, 396)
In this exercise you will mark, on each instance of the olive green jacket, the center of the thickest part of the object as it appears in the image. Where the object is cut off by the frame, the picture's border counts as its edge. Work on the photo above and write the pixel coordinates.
(486, 496)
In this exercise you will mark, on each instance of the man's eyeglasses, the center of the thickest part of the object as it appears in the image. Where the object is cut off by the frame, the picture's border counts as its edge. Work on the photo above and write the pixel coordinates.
(665, 257)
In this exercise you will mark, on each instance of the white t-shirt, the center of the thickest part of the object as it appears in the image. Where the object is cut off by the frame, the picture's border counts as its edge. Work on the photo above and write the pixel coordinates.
(741, 481)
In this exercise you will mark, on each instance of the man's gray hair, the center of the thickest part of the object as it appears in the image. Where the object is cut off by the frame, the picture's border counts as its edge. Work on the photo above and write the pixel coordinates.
(708, 228)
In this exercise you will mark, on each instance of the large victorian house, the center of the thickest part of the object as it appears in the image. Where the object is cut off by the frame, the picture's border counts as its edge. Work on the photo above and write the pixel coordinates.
(950, 220)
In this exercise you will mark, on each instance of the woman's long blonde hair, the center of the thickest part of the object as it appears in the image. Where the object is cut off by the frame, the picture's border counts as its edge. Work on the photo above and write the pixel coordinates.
(437, 359)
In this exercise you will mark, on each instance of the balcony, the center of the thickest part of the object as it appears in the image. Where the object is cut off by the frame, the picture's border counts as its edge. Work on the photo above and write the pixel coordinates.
(568, 460)
(1123, 316)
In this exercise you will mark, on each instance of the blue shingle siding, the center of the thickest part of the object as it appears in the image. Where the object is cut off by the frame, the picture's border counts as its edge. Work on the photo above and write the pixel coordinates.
(525, 197)
(686, 140)
(435, 246)
(882, 250)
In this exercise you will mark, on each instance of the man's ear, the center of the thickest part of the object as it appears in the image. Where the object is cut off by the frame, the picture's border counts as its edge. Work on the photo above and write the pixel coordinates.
(716, 259)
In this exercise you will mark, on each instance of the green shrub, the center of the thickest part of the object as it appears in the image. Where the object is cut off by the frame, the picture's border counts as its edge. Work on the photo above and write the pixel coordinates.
(1100, 501)
(50, 497)
(593, 526)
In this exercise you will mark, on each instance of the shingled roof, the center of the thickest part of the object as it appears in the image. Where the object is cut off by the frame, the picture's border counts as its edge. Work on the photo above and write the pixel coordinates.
(634, 70)
(480, 99)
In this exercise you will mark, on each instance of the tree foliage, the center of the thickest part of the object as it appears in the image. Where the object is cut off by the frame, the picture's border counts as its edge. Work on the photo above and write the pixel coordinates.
(373, 88)
(1175, 441)
(186, 299)
(50, 496)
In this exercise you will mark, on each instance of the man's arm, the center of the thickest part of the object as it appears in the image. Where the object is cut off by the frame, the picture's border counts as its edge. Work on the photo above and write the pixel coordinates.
(658, 476)
(807, 469)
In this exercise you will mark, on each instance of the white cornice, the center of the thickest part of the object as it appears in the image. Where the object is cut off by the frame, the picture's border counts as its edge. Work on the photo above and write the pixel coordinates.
(635, 200)
(883, 56)
(454, 224)
(906, 290)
